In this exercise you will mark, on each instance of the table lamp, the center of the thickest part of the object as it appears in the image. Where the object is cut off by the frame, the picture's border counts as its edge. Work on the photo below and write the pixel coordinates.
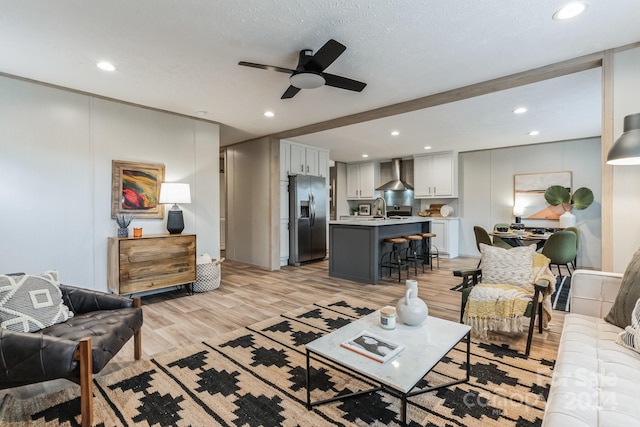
(518, 211)
(175, 192)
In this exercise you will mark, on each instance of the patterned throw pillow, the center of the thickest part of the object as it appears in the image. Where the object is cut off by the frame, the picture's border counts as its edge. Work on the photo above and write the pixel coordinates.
(630, 337)
(29, 303)
(507, 266)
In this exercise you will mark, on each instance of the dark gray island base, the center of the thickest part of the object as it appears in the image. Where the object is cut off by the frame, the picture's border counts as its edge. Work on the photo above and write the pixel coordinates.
(355, 246)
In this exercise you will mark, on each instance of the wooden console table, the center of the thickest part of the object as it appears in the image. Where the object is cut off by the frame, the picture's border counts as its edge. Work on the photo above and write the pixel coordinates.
(150, 262)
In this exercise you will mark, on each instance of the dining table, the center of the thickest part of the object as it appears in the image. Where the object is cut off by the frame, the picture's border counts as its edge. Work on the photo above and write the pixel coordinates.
(514, 238)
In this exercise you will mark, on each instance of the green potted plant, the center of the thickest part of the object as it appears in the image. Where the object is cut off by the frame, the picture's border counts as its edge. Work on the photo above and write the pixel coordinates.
(581, 199)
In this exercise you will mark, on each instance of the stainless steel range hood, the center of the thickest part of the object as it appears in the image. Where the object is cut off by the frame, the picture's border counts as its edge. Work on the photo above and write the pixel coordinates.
(396, 184)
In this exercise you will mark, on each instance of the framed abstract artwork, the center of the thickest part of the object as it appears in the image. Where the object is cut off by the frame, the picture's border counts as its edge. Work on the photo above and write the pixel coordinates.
(529, 194)
(135, 189)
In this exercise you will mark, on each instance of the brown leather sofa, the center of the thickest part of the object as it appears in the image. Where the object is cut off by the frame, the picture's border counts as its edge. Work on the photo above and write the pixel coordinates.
(76, 349)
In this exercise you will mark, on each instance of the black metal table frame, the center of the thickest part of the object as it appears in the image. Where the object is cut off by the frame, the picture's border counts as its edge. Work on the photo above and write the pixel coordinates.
(403, 396)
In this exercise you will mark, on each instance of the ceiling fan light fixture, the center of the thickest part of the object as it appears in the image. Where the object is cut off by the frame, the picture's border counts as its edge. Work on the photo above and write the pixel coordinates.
(307, 80)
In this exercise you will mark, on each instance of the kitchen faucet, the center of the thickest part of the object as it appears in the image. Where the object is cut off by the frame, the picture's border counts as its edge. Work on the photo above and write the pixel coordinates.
(384, 206)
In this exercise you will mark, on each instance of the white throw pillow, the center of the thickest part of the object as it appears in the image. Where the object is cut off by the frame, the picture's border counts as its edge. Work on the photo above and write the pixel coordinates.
(630, 337)
(29, 303)
(507, 266)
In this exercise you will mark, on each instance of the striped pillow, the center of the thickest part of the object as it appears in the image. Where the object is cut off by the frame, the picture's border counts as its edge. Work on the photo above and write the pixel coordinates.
(630, 337)
(507, 266)
(29, 303)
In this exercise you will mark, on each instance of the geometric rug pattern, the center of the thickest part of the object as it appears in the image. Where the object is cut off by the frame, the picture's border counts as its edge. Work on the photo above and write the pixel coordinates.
(255, 376)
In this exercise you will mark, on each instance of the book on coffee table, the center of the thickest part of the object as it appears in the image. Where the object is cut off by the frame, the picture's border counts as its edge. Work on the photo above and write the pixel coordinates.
(373, 346)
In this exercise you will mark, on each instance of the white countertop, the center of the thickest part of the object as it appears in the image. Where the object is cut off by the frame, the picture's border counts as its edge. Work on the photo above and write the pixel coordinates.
(380, 222)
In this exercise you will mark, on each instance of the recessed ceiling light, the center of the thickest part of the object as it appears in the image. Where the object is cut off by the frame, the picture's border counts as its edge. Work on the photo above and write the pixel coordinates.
(202, 113)
(106, 66)
(269, 114)
(395, 133)
(428, 147)
(570, 10)
(365, 155)
(520, 110)
(533, 133)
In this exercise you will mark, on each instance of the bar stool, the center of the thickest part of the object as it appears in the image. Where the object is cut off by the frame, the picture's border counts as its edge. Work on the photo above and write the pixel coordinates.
(411, 253)
(392, 259)
(429, 251)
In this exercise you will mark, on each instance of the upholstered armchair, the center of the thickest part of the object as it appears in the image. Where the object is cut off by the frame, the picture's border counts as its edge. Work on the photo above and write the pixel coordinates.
(513, 284)
(74, 349)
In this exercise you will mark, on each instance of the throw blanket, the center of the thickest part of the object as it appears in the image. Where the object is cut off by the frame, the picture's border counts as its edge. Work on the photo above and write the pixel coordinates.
(501, 307)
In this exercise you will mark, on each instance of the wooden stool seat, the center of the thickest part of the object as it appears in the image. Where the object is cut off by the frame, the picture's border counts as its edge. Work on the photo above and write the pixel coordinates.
(428, 235)
(395, 240)
(414, 237)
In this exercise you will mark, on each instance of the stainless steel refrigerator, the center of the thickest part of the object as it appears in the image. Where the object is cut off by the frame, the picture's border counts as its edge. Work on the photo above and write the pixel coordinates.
(307, 218)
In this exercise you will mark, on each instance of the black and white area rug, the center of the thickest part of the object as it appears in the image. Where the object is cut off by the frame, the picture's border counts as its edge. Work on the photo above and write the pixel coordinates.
(255, 376)
(561, 298)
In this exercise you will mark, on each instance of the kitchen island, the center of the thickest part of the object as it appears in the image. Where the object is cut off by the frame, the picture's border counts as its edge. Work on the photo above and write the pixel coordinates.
(355, 246)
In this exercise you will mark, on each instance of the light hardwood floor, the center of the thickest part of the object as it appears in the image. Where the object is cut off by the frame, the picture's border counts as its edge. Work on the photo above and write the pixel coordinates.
(248, 294)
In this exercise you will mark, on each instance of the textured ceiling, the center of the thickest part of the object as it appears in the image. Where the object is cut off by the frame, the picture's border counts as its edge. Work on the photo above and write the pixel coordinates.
(182, 56)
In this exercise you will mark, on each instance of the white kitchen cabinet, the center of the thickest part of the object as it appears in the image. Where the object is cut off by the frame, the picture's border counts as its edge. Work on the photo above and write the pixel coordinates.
(299, 159)
(284, 222)
(435, 175)
(447, 235)
(285, 160)
(361, 180)
(323, 164)
(311, 161)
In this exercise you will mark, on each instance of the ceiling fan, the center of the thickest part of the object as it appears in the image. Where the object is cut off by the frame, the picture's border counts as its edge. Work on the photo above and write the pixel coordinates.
(309, 72)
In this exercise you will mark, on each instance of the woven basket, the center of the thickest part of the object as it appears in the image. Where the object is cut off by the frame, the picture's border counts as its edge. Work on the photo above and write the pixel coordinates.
(207, 277)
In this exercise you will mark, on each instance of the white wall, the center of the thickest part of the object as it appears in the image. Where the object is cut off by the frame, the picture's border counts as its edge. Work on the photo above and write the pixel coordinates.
(56, 149)
(626, 179)
(486, 189)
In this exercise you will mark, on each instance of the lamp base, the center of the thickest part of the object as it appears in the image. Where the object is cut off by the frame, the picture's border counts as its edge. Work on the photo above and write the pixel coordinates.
(175, 222)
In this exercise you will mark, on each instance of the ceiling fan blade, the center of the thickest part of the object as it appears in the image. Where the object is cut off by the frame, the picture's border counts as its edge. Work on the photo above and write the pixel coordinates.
(290, 92)
(325, 56)
(267, 67)
(343, 82)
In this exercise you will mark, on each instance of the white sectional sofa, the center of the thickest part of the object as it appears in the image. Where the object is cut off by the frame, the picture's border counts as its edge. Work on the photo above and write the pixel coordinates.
(596, 382)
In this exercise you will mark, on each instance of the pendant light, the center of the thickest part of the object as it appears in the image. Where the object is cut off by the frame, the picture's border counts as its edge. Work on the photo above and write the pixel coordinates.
(626, 150)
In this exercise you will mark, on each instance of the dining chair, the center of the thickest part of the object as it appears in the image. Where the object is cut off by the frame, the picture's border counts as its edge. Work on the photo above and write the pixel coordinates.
(497, 241)
(481, 237)
(575, 230)
(560, 248)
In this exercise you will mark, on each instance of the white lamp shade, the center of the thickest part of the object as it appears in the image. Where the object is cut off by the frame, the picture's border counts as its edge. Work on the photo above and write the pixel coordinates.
(175, 192)
(518, 210)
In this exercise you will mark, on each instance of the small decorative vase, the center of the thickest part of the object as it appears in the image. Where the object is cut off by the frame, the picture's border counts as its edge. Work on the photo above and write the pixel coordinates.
(123, 232)
(567, 219)
(412, 310)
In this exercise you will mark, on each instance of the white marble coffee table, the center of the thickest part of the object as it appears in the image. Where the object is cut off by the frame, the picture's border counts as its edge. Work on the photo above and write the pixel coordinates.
(425, 346)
